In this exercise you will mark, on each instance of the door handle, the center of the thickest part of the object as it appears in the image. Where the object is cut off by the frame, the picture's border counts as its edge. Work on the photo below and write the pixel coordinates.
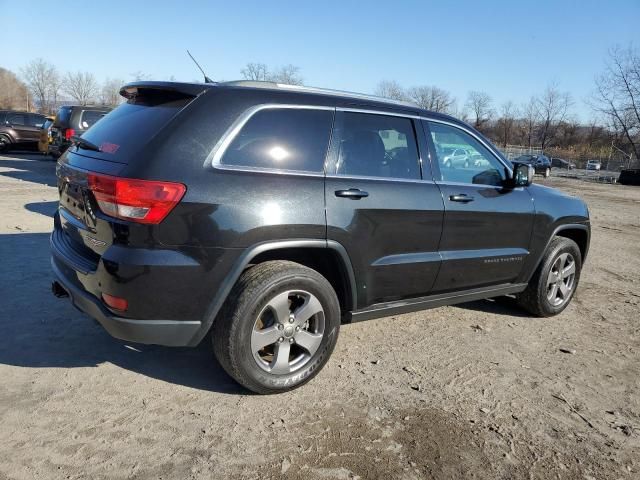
(461, 197)
(352, 193)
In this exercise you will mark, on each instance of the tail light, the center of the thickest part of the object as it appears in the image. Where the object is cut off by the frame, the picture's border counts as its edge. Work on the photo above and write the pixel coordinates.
(68, 133)
(116, 303)
(141, 201)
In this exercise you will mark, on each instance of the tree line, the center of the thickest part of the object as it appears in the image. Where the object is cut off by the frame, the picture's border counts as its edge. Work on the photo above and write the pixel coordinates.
(544, 121)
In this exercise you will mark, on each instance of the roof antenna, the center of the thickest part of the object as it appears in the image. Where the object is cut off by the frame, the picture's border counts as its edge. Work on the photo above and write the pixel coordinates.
(206, 79)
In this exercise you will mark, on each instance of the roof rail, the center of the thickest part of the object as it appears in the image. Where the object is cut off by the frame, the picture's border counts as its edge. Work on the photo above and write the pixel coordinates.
(322, 91)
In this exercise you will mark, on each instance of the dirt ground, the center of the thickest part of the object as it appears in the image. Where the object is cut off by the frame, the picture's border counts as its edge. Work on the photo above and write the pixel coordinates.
(479, 390)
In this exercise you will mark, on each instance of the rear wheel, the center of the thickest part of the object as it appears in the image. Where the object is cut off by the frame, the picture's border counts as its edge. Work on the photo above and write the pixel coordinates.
(5, 143)
(554, 282)
(278, 327)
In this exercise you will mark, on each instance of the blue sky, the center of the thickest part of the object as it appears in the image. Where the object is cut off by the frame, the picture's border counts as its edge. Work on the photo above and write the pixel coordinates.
(510, 49)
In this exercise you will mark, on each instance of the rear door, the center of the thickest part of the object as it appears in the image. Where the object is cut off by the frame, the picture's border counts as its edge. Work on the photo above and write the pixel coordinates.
(19, 123)
(380, 208)
(487, 228)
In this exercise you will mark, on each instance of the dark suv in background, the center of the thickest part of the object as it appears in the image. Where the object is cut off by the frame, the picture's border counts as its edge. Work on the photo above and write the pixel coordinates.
(541, 163)
(72, 121)
(20, 129)
(267, 215)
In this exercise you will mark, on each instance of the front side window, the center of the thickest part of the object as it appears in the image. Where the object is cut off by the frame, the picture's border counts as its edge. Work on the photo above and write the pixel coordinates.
(464, 159)
(374, 145)
(282, 138)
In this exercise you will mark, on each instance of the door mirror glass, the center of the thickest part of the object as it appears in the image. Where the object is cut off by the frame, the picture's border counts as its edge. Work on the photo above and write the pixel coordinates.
(522, 175)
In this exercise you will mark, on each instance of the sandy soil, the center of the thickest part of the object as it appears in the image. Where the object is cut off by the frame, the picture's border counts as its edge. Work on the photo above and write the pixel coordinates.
(475, 391)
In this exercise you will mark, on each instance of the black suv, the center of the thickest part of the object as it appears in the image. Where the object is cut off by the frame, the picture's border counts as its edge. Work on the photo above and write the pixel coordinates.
(267, 215)
(540, 163)
(72, 121)
(19, 129)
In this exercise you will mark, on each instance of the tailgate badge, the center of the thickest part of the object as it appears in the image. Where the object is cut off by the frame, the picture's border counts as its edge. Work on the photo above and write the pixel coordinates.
(95, 242)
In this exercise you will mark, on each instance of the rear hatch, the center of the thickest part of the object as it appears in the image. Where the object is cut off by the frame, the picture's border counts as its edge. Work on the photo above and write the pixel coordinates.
(97, 205)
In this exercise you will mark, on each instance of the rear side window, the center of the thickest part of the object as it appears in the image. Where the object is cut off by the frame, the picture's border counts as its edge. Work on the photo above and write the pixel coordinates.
(282, 138)
(376, 146)
(89, 117)
(36, 120)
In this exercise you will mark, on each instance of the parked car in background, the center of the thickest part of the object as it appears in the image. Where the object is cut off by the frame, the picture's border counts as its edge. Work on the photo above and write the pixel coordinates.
(72, 121)
(20, 129)
(456, 157)
(630, 176)
(594, 165)
(561, 163)
(45, 136)
(540, 163)
(284, 212)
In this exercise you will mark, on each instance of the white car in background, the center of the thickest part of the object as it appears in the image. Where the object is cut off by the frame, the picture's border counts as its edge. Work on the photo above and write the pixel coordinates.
(594, 165)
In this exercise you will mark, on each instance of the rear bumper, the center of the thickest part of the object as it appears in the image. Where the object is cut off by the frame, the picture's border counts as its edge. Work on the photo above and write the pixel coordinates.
(173, 333)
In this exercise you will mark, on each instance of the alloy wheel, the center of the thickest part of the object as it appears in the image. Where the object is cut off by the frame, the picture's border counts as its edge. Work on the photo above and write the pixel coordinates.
(561, 279)
(288, 332)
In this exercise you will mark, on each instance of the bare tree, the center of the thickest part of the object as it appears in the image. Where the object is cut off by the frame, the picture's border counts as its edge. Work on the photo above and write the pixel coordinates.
(553, 107)
(479, 104)
(530, 115)
(139, 75)
(39, 76)
(255, 71)
(617, 95)
(432, 98)
(289, 75)
(13, 93)
(110, 92)
(390, 89)
(81, 86)
(55, 87)
(506, 122)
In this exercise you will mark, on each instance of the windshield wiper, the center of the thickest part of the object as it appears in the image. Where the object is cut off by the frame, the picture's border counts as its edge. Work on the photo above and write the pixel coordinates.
(86, 144)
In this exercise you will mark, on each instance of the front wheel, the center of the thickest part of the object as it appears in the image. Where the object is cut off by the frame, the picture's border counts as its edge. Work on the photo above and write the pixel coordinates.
(278, 327)
(547, 172)
(555, 280)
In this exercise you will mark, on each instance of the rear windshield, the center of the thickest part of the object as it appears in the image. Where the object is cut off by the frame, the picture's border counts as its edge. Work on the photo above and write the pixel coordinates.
(124, 130)
(89, 117)
(62, 117)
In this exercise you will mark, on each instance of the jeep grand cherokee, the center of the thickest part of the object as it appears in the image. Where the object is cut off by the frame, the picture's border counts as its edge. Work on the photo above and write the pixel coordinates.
(269, 214)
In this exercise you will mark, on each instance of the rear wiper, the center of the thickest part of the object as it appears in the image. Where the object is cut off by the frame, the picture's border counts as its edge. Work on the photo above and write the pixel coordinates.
(86, 144)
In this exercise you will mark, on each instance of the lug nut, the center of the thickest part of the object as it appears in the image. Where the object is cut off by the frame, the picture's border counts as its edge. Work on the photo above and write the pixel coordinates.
(291, 340)
(280, 326)
(297, 329)
(280, 340)
(291, 319)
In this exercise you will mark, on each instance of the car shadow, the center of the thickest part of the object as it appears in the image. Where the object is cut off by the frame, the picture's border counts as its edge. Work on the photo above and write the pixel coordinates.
(48, 209)
(500, 306)
(38, 330)
(29, 167)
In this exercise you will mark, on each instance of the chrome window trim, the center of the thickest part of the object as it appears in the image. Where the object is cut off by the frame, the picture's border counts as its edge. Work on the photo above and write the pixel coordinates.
(335, 176)
(476, 185)
(230, 134)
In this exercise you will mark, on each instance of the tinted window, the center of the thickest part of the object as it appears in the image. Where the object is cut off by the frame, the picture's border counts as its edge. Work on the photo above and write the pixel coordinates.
(89, 117)
(131, 125)
(476, 164)
(17, 119)
(284, 138)
(62, 117)
(36, 120)
(376, 146)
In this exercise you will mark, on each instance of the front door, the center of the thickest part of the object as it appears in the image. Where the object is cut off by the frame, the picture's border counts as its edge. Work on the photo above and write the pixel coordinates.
(380, 208)
(487, 228)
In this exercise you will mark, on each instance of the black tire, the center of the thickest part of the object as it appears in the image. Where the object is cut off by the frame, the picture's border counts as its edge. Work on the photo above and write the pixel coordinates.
(5, 143)
(535, 298)
(233, 329)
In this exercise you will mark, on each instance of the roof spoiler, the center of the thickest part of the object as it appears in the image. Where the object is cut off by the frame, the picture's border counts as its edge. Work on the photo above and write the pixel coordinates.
(133, 89)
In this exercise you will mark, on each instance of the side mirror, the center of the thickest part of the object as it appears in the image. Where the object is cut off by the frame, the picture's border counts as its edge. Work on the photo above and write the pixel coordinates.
(522, 175)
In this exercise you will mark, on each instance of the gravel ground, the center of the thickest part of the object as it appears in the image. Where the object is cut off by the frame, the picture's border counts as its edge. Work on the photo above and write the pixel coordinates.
(479, 390)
